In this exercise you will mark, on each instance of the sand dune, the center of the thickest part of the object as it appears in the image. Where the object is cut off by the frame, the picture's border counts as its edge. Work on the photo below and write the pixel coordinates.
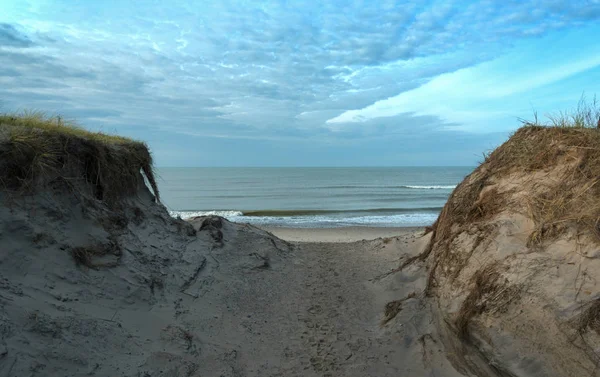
(208, 299)
(97, 279)
(513, 263)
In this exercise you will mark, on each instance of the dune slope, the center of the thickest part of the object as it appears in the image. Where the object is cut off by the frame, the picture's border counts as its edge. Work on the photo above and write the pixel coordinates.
(97, 279)
(514, 258)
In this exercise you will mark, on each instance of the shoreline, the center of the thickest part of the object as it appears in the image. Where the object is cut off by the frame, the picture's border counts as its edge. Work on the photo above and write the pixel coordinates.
(338, 235)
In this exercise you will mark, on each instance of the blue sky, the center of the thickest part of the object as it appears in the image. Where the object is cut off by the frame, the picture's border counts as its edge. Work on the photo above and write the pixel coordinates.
(291, 83)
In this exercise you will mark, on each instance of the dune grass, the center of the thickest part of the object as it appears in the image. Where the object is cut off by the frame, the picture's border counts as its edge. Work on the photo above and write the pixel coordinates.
(565, 150)
(570, 139)
(41, 121)
(38, 150)
(551, 174)
(585, 115)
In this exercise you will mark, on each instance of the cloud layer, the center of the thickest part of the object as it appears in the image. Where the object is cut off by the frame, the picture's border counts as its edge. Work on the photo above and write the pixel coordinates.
(231, 76)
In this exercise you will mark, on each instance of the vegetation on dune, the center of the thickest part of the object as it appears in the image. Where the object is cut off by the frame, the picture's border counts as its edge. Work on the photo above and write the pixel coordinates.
(37, 150)
(548, 173)
(554, 170)
(565, 153)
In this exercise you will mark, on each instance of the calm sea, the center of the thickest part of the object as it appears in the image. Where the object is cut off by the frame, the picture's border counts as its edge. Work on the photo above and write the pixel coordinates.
(311, 197)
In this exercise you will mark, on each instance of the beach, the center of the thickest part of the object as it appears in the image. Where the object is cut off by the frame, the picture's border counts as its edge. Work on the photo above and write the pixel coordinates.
(99, 277)
(114, 282)
(299, 189)
(336, 235)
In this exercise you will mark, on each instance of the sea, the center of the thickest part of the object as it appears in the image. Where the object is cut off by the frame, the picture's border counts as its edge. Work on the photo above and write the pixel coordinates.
(311, 197)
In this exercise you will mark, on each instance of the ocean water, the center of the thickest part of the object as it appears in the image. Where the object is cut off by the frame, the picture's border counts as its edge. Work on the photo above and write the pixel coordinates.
(311, 197)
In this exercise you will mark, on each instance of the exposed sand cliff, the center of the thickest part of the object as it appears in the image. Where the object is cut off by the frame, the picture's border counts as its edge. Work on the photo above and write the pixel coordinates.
(96, 276)
(514, 260)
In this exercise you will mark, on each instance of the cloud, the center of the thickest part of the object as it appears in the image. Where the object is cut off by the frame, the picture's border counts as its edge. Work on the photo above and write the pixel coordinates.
(91, 113)
(10, 36)
(275, 70)
(492, 93)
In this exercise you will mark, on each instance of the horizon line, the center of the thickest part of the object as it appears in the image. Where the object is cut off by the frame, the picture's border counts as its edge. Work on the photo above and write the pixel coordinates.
(318, 166)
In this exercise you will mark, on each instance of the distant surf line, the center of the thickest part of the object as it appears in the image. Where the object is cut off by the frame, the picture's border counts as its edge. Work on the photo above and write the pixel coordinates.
(306, 212)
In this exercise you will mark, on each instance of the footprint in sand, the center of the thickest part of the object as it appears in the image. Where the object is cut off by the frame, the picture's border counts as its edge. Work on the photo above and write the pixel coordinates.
(315, 309)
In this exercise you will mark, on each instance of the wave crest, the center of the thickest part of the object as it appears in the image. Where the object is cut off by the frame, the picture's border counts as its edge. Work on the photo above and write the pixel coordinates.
(435, 187)
(190, 214)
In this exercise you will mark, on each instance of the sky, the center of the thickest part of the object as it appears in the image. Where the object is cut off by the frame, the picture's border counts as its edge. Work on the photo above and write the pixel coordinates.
(301, 83)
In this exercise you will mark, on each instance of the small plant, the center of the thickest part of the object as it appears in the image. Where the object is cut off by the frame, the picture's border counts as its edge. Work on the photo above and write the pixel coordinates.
(82, 256)
(590, 318)
(392, 308)
(585, 115)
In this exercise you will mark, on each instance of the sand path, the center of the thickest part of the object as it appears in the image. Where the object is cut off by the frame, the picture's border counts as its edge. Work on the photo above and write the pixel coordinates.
(341, 335)
(231, 304)
(329, 308)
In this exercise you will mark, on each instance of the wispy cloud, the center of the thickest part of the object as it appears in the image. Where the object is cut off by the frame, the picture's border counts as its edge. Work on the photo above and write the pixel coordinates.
(490, 96)
(281, 71)
(10, 36)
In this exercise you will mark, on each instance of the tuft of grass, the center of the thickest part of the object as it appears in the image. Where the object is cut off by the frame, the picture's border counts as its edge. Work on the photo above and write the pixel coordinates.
(590, 318)
(85, 255)
(392, 308)
(586, 115)
(38, 150)
(571, 140)
(484, 285)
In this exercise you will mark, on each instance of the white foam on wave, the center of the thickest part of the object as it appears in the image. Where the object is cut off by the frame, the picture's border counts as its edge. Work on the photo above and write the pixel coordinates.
(320, 221)
(190, 214)
(400, 220)
(435, 187)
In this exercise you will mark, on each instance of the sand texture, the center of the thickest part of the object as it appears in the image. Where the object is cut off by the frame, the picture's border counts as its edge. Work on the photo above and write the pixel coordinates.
(87, 290)
(514, 262)
(504, 284)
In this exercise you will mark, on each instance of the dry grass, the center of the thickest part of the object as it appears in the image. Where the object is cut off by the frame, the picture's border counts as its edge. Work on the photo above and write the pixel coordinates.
(569, 198)
(84, 256)
(392, 308)
(489, 294)
(590, 318)
(485, 283)
(36, 150)
(566, 151)
(568, 148)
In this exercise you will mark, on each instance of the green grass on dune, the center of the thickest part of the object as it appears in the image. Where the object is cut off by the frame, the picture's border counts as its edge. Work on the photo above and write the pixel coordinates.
(42, 122)
(38, 150)
(585, 115)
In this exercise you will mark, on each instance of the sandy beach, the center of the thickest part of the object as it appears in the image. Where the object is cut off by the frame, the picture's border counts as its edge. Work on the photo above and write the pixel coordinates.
(97, 278)
(344, 235)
